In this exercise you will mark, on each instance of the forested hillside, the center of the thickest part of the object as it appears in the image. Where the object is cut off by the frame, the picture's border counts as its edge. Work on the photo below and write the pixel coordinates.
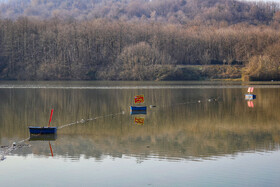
(138, 40)
(172, 11)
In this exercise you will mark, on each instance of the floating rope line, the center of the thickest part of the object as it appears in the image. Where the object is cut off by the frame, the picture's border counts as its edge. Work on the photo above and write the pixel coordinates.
(82, 121)
(9, 149)
(23, 141)
(190, 102)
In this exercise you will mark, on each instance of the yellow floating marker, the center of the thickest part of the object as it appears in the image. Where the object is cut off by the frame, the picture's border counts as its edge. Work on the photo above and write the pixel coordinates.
(139, 120)
(139, 99)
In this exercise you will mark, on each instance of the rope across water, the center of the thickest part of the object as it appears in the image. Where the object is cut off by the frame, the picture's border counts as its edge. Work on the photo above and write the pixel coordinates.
(87, 120)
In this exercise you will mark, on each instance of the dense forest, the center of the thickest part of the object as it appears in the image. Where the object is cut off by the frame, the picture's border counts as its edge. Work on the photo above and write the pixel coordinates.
(139, 40)
(172, 11)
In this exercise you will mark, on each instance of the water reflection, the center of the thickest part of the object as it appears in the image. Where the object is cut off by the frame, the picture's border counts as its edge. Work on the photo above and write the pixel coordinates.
(250, 104)
(44, 137)
(186, 123)
(139, 120)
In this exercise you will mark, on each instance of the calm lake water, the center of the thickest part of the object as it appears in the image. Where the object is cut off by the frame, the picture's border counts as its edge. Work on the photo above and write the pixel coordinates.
(199, 134)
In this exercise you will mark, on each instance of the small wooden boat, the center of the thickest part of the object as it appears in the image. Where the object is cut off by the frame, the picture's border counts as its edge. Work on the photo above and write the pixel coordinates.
(42, 130)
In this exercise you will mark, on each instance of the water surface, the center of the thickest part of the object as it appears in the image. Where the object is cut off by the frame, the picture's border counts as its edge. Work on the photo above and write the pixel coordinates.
(199, 134)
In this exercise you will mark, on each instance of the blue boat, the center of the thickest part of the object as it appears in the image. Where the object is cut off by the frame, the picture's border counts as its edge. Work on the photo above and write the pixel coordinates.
(138, 108)
(42, 130)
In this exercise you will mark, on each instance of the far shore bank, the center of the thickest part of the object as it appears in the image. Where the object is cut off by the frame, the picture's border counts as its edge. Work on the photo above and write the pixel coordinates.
(181, 73)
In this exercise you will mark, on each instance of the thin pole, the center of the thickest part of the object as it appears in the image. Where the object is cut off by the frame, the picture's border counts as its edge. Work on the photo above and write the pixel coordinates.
(50, 118)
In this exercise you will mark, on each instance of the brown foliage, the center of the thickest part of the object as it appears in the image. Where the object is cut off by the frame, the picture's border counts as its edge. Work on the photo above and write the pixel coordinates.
(265, 67)
(138, 62)
(104, 49)
(174, 11)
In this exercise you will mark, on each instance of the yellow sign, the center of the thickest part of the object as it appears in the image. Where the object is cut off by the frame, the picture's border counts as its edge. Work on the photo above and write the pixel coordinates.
(139, 99)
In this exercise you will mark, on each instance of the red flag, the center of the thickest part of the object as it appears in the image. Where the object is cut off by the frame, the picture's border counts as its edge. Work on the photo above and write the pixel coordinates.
(139, 99)
(50, 118)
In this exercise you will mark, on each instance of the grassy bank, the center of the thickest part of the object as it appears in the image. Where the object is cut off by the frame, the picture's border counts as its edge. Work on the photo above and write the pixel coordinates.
(203, 72)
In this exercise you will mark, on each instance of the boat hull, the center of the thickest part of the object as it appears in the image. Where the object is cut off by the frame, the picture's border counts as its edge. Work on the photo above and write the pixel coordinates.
(42, 130)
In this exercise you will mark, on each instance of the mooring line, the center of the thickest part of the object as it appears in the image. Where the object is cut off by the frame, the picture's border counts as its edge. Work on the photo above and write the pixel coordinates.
(190, 102)
(11, 148)
(23, 141)
(82, 121)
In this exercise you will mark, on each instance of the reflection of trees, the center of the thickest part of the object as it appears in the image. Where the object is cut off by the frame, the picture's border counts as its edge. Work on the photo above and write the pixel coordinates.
(179, 131)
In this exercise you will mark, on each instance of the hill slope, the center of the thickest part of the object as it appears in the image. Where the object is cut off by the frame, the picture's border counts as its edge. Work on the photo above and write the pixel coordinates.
(173, 11)
(138, 39)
